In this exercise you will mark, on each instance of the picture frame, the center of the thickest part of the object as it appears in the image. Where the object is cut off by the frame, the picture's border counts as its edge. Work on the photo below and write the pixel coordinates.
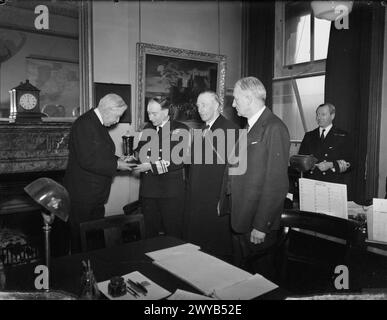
(178, 73)
(58, 82)
(123, 90)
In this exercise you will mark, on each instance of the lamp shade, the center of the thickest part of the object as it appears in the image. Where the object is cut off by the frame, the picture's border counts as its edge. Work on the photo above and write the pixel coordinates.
(51, 195)
(331, 10)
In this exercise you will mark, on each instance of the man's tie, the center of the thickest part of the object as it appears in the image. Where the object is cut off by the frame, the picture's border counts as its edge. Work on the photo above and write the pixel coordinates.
(247, 127)
(322, 135)
(160, 134)
(205, 129)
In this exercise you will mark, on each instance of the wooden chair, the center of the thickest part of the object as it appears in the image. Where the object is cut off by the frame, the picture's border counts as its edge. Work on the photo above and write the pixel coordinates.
(113, 229)
(322, 254)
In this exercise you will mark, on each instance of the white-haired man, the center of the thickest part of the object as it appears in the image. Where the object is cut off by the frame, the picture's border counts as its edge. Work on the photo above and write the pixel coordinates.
(257, 196)
(92, 163)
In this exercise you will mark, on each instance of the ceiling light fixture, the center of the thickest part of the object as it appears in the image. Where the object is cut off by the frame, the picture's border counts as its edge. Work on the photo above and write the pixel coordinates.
(331, 10)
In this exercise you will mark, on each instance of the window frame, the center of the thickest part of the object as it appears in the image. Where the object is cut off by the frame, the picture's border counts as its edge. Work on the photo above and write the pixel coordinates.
(283, 72)
(287, 72)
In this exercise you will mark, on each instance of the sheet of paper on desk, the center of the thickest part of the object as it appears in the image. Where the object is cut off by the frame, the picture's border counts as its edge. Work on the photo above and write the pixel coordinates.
(323, 197)
(247, 289)
(377, 221)
(155, 292)
(203, 271)
(172, 251)
(186, 295)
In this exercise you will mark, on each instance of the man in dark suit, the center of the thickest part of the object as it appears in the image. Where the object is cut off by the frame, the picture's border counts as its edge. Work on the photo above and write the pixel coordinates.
(92, 163)
(162, 188)
(330, 145)
(257, 195)
(203, 225)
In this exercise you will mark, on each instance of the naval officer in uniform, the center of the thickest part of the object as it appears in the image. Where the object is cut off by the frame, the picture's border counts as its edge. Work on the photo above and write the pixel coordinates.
(329, 145)
(162, 188)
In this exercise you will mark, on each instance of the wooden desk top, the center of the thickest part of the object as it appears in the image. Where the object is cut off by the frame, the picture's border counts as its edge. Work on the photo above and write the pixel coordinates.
(66, 271)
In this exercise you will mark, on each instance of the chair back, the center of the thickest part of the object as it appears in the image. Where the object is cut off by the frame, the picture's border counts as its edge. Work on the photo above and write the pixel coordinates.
(112, 227)
(317, 255)
(349, 230)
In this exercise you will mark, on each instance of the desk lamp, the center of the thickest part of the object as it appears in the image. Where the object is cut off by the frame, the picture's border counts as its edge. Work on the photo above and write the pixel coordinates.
(55, 199)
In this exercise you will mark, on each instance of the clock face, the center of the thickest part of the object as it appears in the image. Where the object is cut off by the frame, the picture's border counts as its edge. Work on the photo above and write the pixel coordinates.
(28, 101)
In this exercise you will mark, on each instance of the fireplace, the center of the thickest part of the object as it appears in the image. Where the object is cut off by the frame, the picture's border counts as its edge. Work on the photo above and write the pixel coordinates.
(28, 152)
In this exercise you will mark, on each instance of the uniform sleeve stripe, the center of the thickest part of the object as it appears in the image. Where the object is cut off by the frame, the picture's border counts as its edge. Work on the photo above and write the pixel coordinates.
(162, 166)
(159, 167)
(165, 165)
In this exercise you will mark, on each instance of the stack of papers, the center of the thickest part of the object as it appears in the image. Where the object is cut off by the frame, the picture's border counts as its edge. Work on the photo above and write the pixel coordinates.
(211, 276)
(186, 295)
(172, 252)
(155, 292)
(323, 197)
(250, 288)
(377, 221)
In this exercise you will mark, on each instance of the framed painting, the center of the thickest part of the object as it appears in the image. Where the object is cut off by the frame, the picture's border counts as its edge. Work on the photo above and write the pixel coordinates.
(58, 82)
(123, 90)
(179, 74)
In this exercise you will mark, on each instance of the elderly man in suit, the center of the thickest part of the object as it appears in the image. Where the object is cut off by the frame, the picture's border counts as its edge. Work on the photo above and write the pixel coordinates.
(257, 195)
(92, 163)
(330, 145)
(204, 226)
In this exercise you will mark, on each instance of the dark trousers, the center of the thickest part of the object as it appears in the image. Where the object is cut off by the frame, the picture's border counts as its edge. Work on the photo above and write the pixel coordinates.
(256, 258)
(81, 212)
(163, 216)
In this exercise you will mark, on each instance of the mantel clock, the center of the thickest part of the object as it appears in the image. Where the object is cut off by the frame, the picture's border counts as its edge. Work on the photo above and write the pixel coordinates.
(24, 103)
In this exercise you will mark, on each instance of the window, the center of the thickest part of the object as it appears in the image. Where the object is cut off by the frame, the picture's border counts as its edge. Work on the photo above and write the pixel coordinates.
(299, 116)
(306, 37)
(297, 33)
(301, 47)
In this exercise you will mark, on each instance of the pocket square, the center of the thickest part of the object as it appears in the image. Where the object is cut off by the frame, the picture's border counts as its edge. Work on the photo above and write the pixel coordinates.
(254, 142)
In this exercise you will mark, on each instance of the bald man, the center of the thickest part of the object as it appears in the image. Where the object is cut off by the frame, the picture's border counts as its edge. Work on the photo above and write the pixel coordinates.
(92, 163)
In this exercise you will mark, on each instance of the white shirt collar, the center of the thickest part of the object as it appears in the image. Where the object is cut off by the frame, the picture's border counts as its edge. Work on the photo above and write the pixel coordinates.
(209, 124)
(251, 121)
(164, 122)
(327, 129)
(98, 115)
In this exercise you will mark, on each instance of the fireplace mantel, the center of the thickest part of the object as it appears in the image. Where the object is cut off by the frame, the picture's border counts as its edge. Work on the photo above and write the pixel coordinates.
(28, 151)
(33, 147)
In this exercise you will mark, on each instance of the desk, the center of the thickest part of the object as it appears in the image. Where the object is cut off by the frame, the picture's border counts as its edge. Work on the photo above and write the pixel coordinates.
(66, 271)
